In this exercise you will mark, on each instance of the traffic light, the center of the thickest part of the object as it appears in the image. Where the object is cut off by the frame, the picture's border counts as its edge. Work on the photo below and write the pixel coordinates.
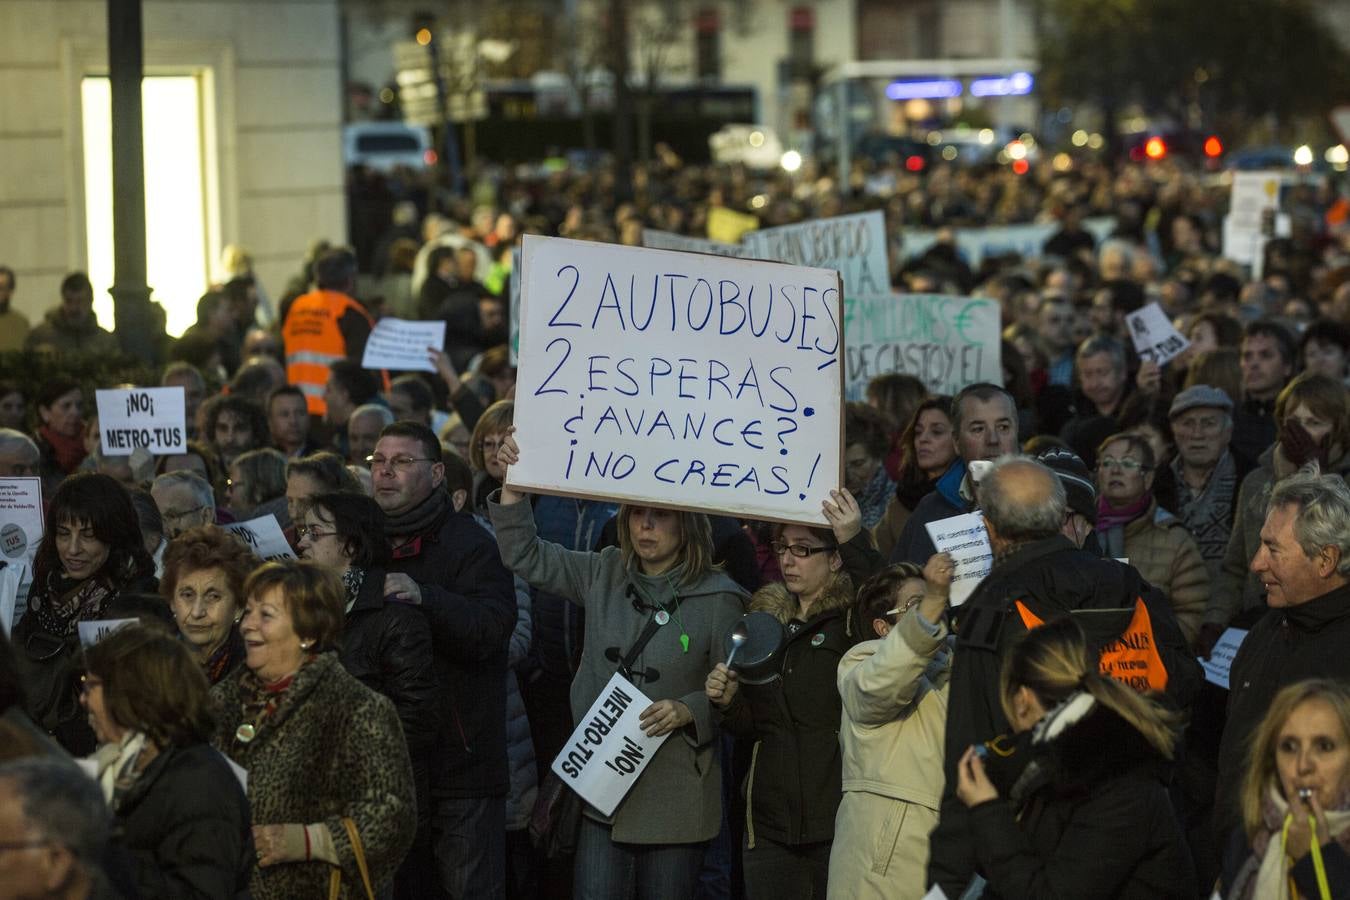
(1213, 146)
(1155, 148)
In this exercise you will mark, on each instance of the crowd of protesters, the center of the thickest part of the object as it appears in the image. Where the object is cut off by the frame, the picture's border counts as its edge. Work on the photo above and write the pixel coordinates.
(380, 715)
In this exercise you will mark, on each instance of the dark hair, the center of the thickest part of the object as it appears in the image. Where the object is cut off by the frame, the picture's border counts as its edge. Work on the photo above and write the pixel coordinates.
(147, 513)
(102, 502)
(253, 380)
(208, 305)
(64, 806)
(458, 475)
(1020, 388)
(286, 390)
(1227, 330)
(877, 595)
(1276, 332)
(1144, 409)
(53, 389)
(247, 409)
(11, 684)
(76, 281)
(1324, 331)
(1126, 296)
(327, 468)
(265, 471)
(314, 596)
(152, 684)
(984, 392)
(207, 547)
(439, 255)
(360, 385)
(416, 389)
(335, 270)
(896, 395)
(867, 426)
(431, 446)
(13, 279)
(909, 463)
(359, 523)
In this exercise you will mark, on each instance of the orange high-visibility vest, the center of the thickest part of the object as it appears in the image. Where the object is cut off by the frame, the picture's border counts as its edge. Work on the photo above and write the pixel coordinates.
(1131, 658)
(314, 342)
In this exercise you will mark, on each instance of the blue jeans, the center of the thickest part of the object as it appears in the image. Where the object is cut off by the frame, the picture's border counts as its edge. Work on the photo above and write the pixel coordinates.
(469, 835)
(606, 870)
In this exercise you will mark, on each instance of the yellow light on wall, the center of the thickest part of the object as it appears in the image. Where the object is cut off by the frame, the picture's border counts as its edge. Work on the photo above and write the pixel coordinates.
(175, 203)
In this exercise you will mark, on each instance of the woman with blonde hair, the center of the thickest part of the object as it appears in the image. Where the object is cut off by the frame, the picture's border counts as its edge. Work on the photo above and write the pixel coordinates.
(1081, 808)
(488, 434)
(1296, 797)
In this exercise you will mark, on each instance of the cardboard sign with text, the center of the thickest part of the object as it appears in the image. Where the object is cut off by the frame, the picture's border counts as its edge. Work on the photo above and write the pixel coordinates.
(153, 418)
(678, 379)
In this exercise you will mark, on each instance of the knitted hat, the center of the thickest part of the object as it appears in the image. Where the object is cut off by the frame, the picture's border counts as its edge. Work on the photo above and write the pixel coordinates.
(1077, 480)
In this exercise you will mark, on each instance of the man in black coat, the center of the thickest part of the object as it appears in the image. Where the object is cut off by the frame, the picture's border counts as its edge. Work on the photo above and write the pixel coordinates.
(1303, 562)
(449, 565)
(1026, 513)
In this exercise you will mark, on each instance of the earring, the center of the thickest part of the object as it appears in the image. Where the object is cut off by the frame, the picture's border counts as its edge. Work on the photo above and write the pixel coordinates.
(305, 645)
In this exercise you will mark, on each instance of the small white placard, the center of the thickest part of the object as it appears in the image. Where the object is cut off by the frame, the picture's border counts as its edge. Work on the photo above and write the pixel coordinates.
(1220, 661)
(608, 752)
(401, 345)
(95, 630)
(1154, 336)
(264, 537)
(965, 538)
(21, 513)
(131, 418)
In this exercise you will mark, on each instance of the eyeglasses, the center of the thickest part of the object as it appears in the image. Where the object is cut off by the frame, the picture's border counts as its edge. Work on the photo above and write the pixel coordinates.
(176, 516)
(904, 608)
(798, 550)
(1125, 465)
(305, 531)
(88, 683)
(397, 463)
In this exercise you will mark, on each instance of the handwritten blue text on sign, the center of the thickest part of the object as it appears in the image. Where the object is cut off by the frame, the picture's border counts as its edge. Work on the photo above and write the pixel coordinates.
(678, 379)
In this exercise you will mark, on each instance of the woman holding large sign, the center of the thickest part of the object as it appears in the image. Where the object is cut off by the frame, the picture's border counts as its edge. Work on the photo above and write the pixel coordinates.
(658, 584)
(795, 782)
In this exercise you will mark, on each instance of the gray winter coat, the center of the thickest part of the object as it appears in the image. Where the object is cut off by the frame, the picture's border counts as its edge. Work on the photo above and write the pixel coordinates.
(685, 774)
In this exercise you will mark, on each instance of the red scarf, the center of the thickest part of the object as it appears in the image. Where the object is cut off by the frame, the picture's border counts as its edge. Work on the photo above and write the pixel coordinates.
(69, 451)
(1109, 517)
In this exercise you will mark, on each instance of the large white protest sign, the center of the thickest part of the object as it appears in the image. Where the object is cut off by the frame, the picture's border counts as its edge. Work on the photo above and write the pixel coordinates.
(1220, 662)
(668, 240)
(945, 342)
(264, 537)
(678, 379)
(401, 345)
(1154, 336)
(21, 515)
(965, 538)
(153, 418)
(607, 753)
(853, 245)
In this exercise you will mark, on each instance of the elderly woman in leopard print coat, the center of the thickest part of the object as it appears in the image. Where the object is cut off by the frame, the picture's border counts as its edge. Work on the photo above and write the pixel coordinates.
(319, 747)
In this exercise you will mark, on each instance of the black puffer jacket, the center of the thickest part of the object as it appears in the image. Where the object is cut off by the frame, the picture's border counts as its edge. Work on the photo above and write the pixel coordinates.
(1092, 820)
(387, 647)
(1284, 646)
(469, 600)
(1056, 578)
(185, 824)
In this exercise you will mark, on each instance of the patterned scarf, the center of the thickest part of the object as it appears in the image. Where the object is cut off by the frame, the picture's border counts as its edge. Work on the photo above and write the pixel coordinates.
(352, 579)
(119, 764)
(876, 496)
(225, 657)
(418, 520)
(1207, 513)
(65, 603)
(259, 700)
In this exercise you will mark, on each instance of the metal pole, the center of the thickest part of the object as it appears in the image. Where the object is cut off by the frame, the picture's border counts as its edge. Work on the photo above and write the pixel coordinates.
(137, 330)
(453, 167)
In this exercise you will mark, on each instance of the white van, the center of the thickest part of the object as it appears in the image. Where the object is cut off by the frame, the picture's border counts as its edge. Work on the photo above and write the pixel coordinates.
(385, 146)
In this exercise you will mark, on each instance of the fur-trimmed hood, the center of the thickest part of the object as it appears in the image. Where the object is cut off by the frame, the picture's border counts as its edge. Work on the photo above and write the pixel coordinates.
(777, 600)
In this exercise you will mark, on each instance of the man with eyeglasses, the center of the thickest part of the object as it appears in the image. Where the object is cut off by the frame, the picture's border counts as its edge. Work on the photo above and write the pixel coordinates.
(185, 500)
(54, 828)
(448, 565)
(19, 456)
